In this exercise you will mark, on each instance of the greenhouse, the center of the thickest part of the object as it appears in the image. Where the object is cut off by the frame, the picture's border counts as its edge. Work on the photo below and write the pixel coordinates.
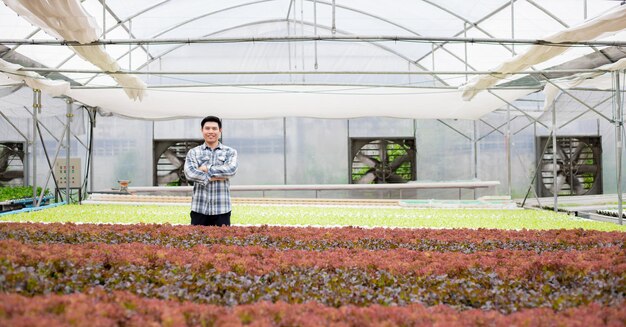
(468, 91)
(391, 163)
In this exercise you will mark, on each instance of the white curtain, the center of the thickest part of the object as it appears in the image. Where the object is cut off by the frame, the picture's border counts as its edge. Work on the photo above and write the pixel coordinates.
(67, 20)
(13, 72)
(611, 22)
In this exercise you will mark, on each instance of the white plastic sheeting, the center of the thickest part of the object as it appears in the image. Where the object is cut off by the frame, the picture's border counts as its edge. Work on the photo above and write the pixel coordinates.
(296, 101)
(145, 19)
(52, 117)
(611, 22)
(67, 20)
(597, 80)
(32, 79)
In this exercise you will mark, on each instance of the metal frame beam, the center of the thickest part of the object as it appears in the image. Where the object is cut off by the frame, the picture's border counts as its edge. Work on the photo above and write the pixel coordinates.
(618, 121)
(291, 37)
(302, 38)
(466, 28)
(579, 101)
(307, 72)
(518, 109)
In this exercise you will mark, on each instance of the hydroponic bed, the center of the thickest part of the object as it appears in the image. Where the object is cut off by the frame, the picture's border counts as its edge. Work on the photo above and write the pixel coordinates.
(179, 275)
(320, 216)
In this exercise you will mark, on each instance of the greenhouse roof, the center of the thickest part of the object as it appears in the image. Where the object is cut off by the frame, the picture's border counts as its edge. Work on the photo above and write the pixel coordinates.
(332, 59)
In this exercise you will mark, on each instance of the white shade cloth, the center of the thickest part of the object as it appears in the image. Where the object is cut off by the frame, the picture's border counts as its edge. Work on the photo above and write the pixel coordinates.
(611, 22)
(296, 101)
(32, 79)
(67, 20)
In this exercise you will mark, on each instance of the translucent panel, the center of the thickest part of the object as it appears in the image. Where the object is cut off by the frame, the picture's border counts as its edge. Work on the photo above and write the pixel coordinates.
(178, 129)
(445, 61)
(531, 22)
(412, 50)
(260, 146)
(419, 16)
(317, 151)
(259, 143)
(48, 56)
(103, 80)
(331, 56)
(569, 108)
(136, 59)
(523, 158)
(574, 15)
(609, 165)
(203, 17)
(76, 62)
(43, 171)
(52, 121)
(473, 11)
(381, 127)
(596, 8)
(124, 8)
(95, 9)
(352, 16)
(9, 133)
(498, 25)
(122, 150)
(486, 56)
(570, 54)
(251, 57)
(493, 159)
(450, 56)
(443, 154)
(12, 26)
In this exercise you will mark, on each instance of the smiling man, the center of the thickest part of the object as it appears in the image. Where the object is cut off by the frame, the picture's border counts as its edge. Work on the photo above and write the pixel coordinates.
(210, 166)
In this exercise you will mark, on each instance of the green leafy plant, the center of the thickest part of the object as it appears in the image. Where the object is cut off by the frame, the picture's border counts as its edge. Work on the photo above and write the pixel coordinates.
(19, 192)
(321, 216)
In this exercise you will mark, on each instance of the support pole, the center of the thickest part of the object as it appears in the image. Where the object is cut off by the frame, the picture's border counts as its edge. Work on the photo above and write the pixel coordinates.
(555, 183)
(14, 127)
(508, 148)
(36, 109)
(315, 30)
(67, 150)
(333, 27)
(619, 123)
(285, 150)
(475, 151)
(54, 162)
(92, 125)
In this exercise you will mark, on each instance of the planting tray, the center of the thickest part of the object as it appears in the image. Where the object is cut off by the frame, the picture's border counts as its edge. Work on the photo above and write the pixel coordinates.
(17, 204)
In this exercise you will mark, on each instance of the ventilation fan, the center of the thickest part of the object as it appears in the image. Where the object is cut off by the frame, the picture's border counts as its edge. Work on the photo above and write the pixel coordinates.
(169, 161)
(11, 163)
(379, 161)
(578, 166)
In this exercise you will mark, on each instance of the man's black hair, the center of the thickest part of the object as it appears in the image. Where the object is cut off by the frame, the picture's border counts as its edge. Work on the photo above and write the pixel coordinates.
(211, 119)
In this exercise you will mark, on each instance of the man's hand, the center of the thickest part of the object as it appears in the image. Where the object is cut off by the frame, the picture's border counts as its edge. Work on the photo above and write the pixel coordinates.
(212, 179)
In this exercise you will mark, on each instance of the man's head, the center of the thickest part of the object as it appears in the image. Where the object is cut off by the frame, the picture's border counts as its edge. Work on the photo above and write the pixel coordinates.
(211, 119)
(211, 130)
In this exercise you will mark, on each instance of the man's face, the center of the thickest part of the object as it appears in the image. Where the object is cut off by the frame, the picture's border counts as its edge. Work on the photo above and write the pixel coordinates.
(211, 132)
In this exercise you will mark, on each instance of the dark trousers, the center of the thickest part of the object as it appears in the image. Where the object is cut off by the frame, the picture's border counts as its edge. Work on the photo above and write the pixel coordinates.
(210, 220)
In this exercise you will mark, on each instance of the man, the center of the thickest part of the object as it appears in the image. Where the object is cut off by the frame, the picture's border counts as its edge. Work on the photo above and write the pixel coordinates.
(210, 166)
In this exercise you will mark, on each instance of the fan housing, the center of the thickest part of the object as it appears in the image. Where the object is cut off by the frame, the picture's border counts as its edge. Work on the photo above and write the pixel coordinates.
(578, 165)
(382, 160)
(11, 164)
(169, 161)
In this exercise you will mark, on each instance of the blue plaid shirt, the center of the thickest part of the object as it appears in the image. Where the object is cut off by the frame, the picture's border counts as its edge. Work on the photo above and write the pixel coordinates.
(211, 197)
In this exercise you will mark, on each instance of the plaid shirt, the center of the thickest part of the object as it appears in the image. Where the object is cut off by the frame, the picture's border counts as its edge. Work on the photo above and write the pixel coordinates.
(211, 197)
